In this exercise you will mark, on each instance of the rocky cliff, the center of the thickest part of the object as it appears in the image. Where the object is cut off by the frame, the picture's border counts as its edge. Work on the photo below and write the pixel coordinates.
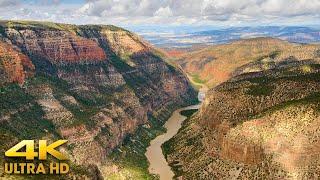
(92, 85)
(256, 125)
(15, 66)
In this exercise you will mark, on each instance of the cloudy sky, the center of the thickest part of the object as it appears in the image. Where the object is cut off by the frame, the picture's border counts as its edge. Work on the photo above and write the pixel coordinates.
(166, 12)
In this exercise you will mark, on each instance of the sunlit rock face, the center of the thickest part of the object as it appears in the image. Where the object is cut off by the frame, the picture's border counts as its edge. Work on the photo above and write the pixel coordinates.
(216, 64)
(56, 46)
(14, 66)
(92, 85)
(256, 125)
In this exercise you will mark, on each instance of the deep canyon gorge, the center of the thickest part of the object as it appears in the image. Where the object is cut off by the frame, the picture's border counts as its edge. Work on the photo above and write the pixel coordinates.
(98, 87)
(119, 101)
(261, 121)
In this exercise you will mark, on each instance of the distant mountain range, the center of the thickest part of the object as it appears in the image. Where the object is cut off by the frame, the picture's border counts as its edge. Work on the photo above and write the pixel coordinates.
(295, 34)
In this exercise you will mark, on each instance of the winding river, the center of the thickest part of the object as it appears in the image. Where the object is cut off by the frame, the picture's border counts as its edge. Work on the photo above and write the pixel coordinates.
(158, 164)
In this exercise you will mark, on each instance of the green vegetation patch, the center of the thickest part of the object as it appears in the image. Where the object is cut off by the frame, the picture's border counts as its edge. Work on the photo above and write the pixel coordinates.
(317, 53)
(130, 156)
(25, 116)
(176, 168)
(260, 90)
(119, 64)
(44, 25)
(100, 28)
(82, 113)
(3, 31)
(33, 25)
(272, 55)
(196, 78)
(188, 113)
(182, 139)
(263, 85)
(313, 98)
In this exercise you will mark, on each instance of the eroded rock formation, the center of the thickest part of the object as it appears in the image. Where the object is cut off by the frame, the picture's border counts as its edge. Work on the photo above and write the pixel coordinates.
(93, 85)
(14, 66)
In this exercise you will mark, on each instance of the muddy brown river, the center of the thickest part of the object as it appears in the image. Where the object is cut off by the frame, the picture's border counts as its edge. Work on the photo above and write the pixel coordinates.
(158, 164)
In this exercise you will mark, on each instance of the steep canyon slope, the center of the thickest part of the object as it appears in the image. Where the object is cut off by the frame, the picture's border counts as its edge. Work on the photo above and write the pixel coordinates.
(216, 64)
(92, 85)
(263, 123)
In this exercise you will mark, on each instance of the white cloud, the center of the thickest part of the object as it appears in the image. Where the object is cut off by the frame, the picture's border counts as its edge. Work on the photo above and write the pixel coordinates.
(175, 12)
(214, 10)
(122, 7)
(164, 12)
(5, 3)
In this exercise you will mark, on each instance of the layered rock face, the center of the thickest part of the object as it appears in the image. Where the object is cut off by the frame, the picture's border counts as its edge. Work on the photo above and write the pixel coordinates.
(95, 85)
(56, 46)
(14, 66)
(256, 125)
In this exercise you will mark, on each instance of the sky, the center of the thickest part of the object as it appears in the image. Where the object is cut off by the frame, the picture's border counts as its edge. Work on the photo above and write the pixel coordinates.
(162, 13)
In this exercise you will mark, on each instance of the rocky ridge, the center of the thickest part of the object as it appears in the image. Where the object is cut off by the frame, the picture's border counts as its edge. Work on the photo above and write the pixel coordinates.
(216, 64)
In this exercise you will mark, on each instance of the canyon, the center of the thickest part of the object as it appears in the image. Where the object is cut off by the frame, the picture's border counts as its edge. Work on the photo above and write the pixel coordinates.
(158, 164)
(119, 102)
(261, 121)
(97, 86)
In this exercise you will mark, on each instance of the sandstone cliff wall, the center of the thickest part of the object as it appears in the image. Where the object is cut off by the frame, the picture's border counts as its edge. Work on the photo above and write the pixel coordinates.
(95, 84)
